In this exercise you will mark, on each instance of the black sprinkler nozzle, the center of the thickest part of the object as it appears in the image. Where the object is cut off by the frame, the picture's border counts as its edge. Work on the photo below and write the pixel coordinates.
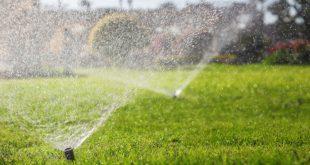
(69, 154)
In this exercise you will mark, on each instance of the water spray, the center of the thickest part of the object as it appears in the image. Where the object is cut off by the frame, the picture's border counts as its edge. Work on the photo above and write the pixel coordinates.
(69, 154)
(141, 67)
(177, 93)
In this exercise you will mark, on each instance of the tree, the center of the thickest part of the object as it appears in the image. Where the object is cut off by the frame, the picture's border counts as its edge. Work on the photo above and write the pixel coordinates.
(130, 3)
(195, 45)
(168, 6)
(85, 4)
(26, 35)
(251, 43)
(116, 35)
(293, 19)
(59, 4)
(120, 2)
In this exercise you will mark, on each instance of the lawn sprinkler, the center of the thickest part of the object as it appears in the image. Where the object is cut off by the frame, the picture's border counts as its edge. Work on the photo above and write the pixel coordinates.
(177, 93)
(69, 154)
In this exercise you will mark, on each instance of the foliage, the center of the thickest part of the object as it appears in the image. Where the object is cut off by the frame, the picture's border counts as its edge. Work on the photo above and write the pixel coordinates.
(225, 59)
(229, 114)
(161, 44)
(168, 6)
(116, 35)
(249, 47)
(280, 57)
(85, 4)
(173, 61)
(288, 25)
(291, 52)
(193, 45)
(293, 45)
(304, 55)
(173, 50)
(251, 42)
(292, 23)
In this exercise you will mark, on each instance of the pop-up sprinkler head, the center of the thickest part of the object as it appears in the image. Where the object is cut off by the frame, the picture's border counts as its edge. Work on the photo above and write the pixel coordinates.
(69, 154)
(177, 93)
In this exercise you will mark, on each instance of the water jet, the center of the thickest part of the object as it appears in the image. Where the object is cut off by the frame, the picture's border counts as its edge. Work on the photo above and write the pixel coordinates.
(177, 93)
(157, 51)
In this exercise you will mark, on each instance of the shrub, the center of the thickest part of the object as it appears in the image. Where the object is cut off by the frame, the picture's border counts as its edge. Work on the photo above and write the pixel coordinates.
(225, 59)
(115, 35)
(294, 45)
(280, 57)
(249, 47)
(292, 52)
(161, 44)
(172, 61)
(194, 46)
(304, 54)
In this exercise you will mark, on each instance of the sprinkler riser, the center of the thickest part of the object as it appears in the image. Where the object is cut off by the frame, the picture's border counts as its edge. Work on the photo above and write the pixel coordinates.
(69, 154)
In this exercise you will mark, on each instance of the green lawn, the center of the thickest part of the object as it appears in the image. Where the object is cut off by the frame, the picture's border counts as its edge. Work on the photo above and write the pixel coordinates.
(229, 114)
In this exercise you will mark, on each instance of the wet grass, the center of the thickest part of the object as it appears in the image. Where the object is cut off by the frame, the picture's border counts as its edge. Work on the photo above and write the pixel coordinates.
(229, 114)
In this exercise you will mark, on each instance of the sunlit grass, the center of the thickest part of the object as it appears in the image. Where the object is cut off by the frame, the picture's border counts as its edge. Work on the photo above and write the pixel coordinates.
(234, 114)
